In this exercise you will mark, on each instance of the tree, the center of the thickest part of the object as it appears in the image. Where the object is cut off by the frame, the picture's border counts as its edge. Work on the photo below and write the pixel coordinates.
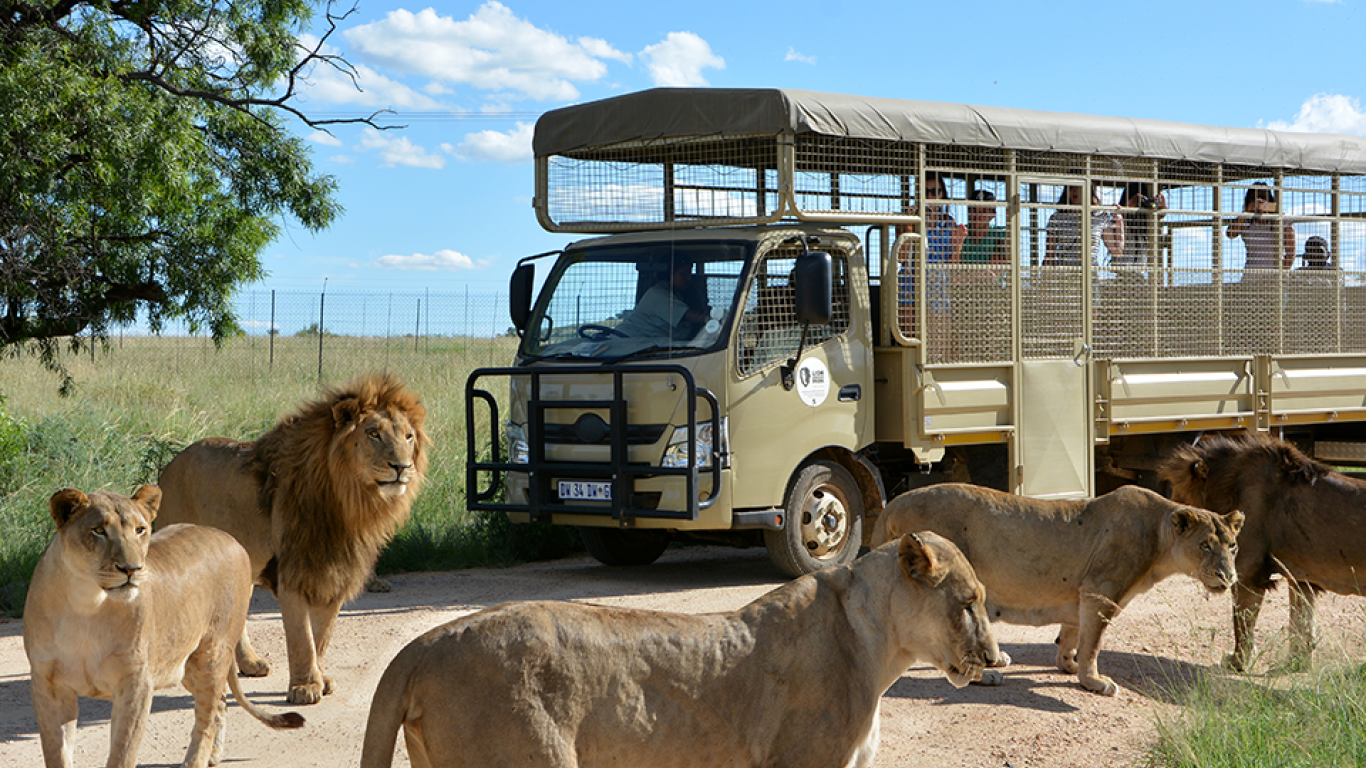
(145, 160)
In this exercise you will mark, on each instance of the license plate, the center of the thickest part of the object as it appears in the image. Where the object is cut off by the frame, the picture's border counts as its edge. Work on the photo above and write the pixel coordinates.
(580, 490)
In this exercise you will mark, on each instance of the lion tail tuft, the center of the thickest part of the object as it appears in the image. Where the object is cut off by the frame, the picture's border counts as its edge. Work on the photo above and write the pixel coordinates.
(282, 721)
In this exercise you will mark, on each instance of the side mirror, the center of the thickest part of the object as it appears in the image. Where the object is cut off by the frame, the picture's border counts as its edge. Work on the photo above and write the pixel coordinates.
(814, 288)
(519, 301)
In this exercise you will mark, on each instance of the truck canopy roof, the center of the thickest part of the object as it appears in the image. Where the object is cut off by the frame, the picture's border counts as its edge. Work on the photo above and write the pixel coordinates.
(663, 113)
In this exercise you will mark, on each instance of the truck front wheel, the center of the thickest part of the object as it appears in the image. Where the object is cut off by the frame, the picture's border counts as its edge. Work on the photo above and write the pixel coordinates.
(823, 525)
(613, 546)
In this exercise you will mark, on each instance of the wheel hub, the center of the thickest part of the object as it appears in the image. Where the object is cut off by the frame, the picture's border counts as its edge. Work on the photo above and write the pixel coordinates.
(825, 523)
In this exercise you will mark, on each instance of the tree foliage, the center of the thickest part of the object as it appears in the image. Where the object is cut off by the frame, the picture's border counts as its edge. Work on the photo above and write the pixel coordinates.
(146, 160)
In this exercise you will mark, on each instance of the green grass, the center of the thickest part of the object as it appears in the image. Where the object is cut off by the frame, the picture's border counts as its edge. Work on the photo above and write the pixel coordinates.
(140, 401)
(1317, 720)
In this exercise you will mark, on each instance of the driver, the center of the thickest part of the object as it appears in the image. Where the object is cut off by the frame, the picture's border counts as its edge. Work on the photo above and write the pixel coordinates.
(661, 308)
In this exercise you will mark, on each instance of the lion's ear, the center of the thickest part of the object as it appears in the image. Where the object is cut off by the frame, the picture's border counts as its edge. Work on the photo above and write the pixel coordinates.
(65, 504)
(1200, 469)
(346, 411)
(1235, 521)
(149, 497)
(1184, 519)
(919, 562)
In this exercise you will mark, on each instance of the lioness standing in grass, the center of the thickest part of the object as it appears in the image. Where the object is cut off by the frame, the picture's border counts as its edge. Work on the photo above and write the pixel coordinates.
(1072, 562)
(794, 679)
(115, 612)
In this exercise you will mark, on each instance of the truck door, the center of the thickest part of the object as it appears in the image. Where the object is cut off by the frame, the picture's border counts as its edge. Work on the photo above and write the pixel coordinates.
(1054, 450)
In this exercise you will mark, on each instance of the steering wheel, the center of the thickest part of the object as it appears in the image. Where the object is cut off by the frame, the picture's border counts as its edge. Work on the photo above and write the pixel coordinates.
(594, 332)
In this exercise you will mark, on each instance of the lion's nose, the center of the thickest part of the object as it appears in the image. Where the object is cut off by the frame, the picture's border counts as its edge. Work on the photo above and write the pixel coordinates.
(128, 569)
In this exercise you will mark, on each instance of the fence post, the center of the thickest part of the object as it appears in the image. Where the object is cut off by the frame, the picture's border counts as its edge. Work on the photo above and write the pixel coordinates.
(417, 331)
(271, 330)
(322, 305)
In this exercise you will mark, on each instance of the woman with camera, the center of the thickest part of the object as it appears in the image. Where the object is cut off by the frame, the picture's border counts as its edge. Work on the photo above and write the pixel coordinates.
(1139, 227)
(1259, 227)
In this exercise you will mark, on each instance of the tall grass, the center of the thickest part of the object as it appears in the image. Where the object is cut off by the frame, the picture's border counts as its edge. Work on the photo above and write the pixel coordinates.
(1318, 721)
(140, 401)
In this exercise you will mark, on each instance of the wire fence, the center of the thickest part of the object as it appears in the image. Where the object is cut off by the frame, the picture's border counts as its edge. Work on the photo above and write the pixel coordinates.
(333, 335)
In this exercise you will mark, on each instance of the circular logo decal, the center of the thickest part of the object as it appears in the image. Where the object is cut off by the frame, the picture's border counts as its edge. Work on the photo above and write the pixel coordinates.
(813, 381)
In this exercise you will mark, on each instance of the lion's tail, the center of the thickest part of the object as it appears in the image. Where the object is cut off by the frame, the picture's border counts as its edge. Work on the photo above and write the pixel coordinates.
(286, 720)
(388, 710)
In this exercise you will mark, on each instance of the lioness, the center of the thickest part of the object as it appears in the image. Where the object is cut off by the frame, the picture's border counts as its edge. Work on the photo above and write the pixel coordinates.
(793, 679)
(313, 500)
(114, 612)
(1076, 563)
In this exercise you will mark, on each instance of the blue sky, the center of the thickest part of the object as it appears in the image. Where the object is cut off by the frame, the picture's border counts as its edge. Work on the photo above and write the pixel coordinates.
(445, 203)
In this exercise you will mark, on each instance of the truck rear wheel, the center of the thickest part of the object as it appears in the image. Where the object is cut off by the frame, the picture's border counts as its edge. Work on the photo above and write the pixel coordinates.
(613, 546)
(823, 525)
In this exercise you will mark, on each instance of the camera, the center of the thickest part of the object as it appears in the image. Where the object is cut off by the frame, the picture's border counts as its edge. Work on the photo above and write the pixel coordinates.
(1149, 203)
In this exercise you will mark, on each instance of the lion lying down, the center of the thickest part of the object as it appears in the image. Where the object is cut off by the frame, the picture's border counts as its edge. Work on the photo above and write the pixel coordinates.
(114, 612)
(1076, 563)
(793, 679)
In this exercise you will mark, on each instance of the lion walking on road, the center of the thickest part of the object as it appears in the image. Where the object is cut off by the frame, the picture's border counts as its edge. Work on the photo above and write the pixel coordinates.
(313, 501)
(794, 679)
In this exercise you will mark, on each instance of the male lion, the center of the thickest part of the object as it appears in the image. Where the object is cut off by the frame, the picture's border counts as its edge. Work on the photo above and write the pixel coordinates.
(1072, 562)
(313, 501)
(1305, 522)
(114, 612)
(793, 679)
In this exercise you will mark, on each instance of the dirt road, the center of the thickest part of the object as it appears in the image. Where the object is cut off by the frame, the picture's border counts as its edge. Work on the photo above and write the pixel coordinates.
(1039, 717)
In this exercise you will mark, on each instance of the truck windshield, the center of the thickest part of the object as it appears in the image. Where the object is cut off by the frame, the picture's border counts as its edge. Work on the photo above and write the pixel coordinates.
(639, 300)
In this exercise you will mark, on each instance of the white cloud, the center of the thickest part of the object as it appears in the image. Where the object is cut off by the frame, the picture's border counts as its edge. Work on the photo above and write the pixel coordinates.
(324, 138)
(1326, 113)
(399, 151)
(496, 146)
(792, 55)
(370, 89)
(491, 50)
(679, 59)
(441, 261)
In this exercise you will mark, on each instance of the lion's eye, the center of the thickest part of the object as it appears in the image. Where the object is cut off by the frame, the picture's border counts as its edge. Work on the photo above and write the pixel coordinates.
(374, 434)
(142, 530)
(98, 530)
(1206, 547)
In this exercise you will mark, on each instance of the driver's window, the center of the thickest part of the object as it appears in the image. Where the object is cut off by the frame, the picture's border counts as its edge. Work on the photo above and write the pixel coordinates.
(769, 332)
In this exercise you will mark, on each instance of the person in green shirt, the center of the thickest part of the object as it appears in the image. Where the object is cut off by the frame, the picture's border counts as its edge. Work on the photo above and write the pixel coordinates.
(986, 242)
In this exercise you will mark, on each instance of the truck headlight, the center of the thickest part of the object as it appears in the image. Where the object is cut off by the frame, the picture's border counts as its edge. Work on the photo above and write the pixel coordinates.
(518, 450)
(677, 451)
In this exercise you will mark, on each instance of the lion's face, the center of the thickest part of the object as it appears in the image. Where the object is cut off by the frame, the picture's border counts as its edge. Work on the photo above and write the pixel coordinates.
(385, 447)
(1205, 545)
(942, 617)
(104, 536)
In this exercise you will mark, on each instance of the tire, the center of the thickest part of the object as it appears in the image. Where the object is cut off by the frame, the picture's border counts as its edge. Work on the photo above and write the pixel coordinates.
(612, 546)
(823, 524)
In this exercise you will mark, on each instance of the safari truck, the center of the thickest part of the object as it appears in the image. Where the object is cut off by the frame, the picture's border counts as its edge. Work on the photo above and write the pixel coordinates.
(792, 306)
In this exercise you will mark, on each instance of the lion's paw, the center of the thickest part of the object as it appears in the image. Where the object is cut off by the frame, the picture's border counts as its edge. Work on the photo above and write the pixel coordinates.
(253, 668)
(1067, 662)
(1100, 684)
(303, 695)
(1002, 660)
(327, 685)
(376, 584)
(1233, 663)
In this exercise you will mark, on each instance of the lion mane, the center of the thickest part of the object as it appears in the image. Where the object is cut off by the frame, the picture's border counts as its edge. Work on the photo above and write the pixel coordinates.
(313, 501)
(339, 525)
(1305, 522)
